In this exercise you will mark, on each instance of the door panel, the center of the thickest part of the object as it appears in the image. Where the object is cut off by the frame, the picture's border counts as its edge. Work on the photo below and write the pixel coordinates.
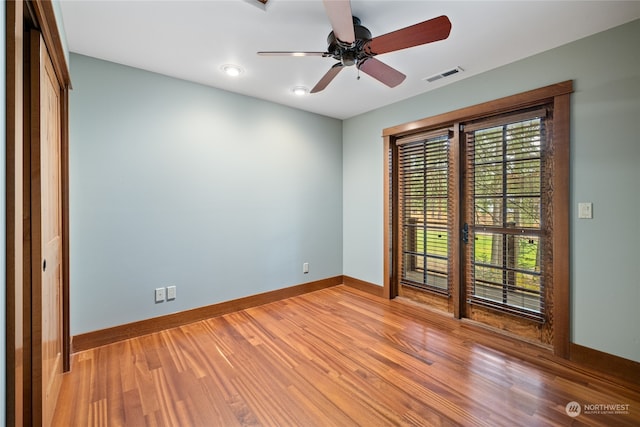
(46, 228)
(424, 190)
(504, 208)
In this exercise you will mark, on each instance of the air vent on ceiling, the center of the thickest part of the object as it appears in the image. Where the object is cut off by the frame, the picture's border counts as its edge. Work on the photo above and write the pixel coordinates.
(443, 74)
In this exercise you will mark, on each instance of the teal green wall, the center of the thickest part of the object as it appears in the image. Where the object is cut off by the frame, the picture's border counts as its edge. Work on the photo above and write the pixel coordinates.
(174, 183)
(605, 170)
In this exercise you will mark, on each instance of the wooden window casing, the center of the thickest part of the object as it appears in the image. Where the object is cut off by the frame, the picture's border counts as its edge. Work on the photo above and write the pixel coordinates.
(556, 272)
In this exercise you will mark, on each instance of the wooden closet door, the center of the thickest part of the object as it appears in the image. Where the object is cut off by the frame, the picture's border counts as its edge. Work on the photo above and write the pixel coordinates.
(46, 224)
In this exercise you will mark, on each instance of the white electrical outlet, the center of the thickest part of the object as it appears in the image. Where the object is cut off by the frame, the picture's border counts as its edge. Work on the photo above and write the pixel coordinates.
(171, 293)
(160, 293)
(305, 267)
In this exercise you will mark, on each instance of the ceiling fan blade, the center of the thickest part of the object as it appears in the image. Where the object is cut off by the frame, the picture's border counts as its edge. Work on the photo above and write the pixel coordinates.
(326, 79)
(382, 72)
(415, 35)
(292, 53)
(339, 13)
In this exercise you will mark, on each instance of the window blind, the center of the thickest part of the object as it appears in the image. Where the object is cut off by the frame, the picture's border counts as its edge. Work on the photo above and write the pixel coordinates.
(423, 171)
(504, 194)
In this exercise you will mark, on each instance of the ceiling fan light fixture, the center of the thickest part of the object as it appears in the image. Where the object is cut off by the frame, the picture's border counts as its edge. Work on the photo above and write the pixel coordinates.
(300, 91)
(232, 70)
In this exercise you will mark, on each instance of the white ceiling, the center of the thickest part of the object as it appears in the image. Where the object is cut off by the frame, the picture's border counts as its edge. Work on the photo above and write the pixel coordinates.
(191, 40)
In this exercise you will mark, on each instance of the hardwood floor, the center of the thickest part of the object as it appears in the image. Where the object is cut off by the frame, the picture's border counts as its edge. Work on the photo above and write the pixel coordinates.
(334, 357)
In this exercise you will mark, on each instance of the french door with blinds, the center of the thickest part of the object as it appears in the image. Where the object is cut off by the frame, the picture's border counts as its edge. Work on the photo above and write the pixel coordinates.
(423, 164)
(507, 163)
(473, 216)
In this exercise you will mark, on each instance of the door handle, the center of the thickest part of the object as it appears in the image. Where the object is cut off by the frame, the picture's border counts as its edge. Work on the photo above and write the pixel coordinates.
(44, 265)
(465, 233)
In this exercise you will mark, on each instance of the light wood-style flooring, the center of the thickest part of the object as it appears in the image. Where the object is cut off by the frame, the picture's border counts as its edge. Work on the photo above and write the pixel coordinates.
(334, 357)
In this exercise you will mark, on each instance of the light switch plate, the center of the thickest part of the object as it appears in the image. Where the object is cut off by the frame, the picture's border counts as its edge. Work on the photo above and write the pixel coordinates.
(585, 210)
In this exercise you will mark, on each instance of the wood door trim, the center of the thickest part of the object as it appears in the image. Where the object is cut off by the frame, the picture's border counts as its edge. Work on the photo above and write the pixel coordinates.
(65, 262)
(497, 106)
(561, 224)
(34, 14)
(455, 255)
(390, 291)
(32, 176)
(14, 214)
(46, 23)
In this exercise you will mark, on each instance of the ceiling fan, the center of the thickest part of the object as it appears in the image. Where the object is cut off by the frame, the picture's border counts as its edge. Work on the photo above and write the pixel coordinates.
(351, 44)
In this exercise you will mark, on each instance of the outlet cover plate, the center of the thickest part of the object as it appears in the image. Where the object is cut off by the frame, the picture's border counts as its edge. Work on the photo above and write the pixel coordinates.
(160, 295)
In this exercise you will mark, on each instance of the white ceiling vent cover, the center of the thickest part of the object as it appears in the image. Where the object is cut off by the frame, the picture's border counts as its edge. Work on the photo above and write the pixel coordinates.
(443, 74)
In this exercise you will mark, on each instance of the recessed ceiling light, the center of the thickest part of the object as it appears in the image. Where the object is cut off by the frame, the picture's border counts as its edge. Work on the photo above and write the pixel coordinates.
(232, 70)
(300, 90)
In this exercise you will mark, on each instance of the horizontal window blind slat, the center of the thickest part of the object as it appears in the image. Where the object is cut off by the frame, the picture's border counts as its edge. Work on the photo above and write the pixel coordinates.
(422, 136)
(506, 119)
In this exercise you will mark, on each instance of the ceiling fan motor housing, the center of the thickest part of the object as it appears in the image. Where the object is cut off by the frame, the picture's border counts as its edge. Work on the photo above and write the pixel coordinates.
(350, 53)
